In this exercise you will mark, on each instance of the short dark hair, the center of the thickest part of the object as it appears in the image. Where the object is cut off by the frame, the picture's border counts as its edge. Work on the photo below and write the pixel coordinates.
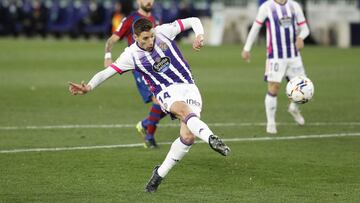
(142, 25)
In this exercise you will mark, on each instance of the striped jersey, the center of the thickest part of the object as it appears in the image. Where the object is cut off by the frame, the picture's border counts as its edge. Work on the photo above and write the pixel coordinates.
(161, 67)
(125, 28)
(281, 21)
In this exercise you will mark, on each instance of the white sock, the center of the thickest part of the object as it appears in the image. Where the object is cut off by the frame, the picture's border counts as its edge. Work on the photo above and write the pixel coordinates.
(198, 127)
(270, 107)
(177, 151)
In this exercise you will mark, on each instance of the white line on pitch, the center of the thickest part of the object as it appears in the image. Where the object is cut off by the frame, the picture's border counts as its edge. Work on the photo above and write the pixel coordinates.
(250, 139)
(49, 127)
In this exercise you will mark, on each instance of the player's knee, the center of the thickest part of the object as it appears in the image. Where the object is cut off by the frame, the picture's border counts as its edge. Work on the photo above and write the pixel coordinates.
(187, 138)
(273, 88)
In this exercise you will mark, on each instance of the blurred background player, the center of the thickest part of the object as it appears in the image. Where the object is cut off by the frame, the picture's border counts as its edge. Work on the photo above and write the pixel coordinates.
(286, 31)
(148, 125)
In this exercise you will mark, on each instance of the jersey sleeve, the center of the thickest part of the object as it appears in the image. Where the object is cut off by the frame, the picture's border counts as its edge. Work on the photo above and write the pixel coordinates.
(124, 62)
(124, 28)
(262, 14)
(299, 14)
(170, 30)
(260, 18)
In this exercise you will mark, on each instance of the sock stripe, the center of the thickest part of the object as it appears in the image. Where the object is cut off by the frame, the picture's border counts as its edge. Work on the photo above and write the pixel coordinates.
(155, 111)
(272, 95)
(156, 106)
(154, 120)
(152, 114)
(185, 143)
(188, 117)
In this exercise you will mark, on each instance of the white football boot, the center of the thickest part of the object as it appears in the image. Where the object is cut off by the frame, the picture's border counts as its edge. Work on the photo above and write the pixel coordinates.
(271, 128)
(295, 112)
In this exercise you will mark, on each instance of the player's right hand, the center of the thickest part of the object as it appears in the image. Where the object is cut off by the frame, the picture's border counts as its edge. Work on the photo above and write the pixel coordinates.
(246, 56)
(79, 88)
(299, 43)
(107, 62)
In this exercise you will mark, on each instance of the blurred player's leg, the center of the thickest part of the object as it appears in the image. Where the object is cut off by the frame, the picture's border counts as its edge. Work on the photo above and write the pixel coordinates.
(296, 68)
(270, 108)
(148, 125)
(295, 112)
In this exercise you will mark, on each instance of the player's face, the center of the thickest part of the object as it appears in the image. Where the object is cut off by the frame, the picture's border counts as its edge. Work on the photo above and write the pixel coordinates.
(146, 40)
(146, 5)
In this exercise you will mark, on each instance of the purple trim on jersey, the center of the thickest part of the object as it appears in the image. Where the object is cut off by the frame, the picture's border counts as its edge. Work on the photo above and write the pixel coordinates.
(148, 67)
(176, 63)
(270, 48)
(294, 29)
(296, 50)
(171, 74)
(181, 68)
(277, 30)
(287, 33)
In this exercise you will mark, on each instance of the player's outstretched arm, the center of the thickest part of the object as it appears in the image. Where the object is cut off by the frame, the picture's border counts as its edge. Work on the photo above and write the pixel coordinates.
(98, 78)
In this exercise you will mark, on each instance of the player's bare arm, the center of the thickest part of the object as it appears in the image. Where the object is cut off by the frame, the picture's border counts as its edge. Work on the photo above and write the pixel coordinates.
(95, 81)
(108, 49)
(254, 31)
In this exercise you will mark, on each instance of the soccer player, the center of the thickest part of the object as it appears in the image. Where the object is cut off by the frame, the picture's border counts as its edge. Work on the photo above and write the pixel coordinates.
(148, 125)
(156, 56)
(286, 31)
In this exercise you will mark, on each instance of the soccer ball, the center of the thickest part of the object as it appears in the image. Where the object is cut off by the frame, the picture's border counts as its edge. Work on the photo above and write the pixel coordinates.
(300, 89)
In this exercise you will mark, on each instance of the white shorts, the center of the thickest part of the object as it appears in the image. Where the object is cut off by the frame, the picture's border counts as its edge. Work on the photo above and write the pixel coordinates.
(277, 69)
(187, 93)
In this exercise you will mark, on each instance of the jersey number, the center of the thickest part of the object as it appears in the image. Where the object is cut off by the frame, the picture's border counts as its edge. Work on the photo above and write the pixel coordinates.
(274, 67)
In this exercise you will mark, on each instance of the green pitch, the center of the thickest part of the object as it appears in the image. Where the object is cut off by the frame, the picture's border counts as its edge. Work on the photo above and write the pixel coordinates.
(37, 113)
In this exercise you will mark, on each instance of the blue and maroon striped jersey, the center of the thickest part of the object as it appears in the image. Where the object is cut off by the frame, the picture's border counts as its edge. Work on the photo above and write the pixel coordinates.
(125, 28)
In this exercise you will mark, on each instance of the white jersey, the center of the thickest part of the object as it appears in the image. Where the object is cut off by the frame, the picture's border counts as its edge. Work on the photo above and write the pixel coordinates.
(164, 65)
(282, 21)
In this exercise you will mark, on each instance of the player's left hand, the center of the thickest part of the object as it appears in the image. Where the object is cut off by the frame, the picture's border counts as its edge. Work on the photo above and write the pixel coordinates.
(299, 43)
(198, 42)
(79, 88)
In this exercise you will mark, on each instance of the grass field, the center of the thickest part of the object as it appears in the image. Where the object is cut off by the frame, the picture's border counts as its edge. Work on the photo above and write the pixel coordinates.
(95, 161)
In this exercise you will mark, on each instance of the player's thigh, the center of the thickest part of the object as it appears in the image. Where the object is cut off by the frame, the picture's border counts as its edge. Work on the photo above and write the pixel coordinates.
(187, 94)
(295, 68)
(275, 70)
